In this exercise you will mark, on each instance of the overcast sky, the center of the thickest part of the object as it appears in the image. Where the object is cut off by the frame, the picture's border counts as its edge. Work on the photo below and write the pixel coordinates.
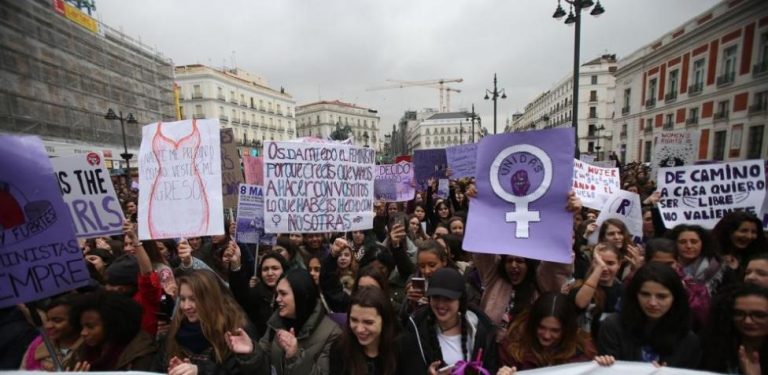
(336, 49)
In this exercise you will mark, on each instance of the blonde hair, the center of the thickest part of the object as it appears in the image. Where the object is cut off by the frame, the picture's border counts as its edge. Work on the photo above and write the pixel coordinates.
(216, 308)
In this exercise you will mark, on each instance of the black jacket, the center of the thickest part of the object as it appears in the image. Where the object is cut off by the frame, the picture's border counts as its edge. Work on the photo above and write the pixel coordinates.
(419, 351)
(257, 302)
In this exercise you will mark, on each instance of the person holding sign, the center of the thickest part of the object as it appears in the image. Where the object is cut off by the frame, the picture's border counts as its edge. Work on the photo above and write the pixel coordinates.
(195, 343)
(63, 329)
(258, 302)
(654, 322)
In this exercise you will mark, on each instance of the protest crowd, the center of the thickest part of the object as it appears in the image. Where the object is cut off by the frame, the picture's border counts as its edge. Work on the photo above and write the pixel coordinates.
(406, 297)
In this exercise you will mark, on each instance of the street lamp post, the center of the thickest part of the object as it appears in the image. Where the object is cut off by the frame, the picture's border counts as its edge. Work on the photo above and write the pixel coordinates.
(366, 137)
(597, 148)
(574, 17)
(125, 155)
(494, 96)
(472, 117)
(461, 132)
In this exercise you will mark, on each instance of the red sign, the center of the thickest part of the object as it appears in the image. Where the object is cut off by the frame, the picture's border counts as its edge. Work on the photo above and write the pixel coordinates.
(58, 6)
(400, 158)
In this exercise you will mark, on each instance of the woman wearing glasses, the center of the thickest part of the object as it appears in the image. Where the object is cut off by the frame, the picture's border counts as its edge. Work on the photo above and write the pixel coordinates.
(737, 338)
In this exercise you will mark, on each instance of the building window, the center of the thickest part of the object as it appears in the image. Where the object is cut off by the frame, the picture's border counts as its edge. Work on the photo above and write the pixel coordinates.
(760, 104)
(728, 72)
(673, 82)
(762, 55)
(199, 111)
(755, 140)
(693, 116)
(197, 93)
(651, 93)
(594, 80)
(593, 96)
(627, 98)
(669, 123)
(722, 110)
(648, 151)
(318, 119)
(592, 112)
(718, 148)
(697, 79)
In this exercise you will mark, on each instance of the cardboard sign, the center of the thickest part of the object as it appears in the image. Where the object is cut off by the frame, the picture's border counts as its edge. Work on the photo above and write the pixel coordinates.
(250, 214)
(231, 176)
(462, 159)
(39, 255)
(254, 170)
(674, 149)
(180, 180)
(394, 182)
(625, 206)
(703, 194)
(316, 188)
(523, 181)
(593, 185)
(87, 189)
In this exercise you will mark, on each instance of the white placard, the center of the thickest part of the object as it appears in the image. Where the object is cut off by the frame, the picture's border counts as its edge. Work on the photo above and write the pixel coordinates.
(625, 206)
(316, 188)
(674, 149)
(87, 189)
(180, 180)
(703, 194)
(593, 184)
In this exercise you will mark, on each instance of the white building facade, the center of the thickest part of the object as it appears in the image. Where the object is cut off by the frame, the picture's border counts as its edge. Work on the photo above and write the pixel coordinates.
(240, 100)
(442, 130)
(322, 118)
(554, 107)
(708, 75)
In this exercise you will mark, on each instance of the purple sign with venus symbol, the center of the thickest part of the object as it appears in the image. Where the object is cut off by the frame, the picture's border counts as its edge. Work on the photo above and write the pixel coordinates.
(521, 174)
(523, 181)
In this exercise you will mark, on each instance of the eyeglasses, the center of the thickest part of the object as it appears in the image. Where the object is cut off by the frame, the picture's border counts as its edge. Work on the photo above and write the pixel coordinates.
(754, 315)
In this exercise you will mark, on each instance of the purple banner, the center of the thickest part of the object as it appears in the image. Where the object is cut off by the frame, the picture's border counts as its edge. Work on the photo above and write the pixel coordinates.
(428, 164)
(39, 255)
(523, 181)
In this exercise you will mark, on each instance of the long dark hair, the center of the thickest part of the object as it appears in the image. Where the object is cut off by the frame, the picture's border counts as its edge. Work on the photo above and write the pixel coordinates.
(354, 353)
(432, 323)
(731, 223)
(670, 328)
(305, 296)
(709, 248)
(721, 339)
(528, 288)
(374, 273)
(279, 258)
(523, 333)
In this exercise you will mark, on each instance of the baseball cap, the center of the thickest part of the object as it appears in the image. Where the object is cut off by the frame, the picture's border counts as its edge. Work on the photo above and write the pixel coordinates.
(446, 282)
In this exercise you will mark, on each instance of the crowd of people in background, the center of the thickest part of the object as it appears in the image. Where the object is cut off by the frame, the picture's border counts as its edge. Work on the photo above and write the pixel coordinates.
(405, 297)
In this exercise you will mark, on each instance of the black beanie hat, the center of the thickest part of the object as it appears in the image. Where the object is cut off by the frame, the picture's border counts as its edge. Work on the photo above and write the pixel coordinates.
(123, 271)
(305, 297)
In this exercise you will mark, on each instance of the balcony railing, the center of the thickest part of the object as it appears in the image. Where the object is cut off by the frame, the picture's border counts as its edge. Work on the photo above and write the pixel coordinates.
(593, 115)
(650, 103)
(233, 101)
(648, 130)
(691, 121)
(197, 95)
(668, 126)
(670, 96)
(760, 68)
(623, 134)
(246, 122)
(695, 88)
(198, 115)
(624, 110)
(222, 98)
(224, 118)
(235, 120)
(719, 116)
(756, 108)
(726, 78)
(244, 104)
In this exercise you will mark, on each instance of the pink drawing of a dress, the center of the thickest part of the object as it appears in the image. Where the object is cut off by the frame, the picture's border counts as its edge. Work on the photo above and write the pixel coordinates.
(168, 193)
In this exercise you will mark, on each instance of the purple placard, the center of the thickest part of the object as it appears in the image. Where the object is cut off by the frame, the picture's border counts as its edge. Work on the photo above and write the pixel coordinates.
(428, 164)
(394, 182)
(523, 181)
(462, 160)
(39, 255)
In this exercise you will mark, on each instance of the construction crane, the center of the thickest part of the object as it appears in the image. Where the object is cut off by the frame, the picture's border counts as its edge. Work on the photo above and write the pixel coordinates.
(445, 91)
